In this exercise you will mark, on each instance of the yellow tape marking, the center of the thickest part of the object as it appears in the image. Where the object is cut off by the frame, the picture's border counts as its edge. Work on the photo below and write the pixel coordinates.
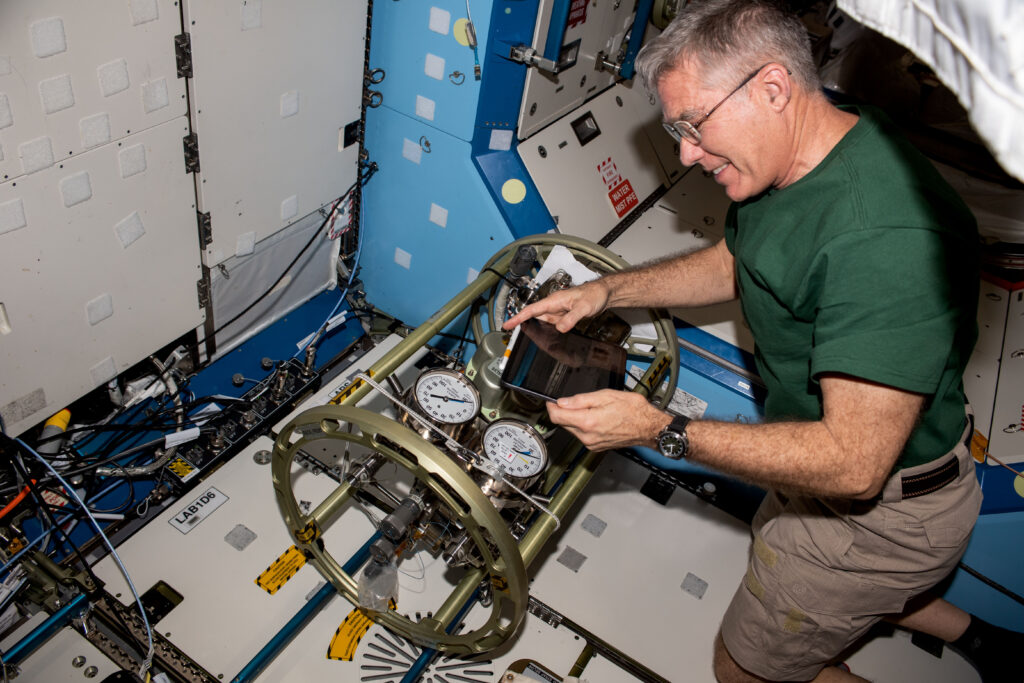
(350, 389)
(280, 570)
(180, 468)
(659, 369)
(346, 638)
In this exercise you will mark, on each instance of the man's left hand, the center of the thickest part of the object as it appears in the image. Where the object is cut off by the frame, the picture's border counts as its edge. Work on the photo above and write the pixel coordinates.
(609, 419)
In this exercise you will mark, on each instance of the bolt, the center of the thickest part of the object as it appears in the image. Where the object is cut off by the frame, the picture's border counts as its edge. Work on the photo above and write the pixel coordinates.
(78, 662)
(91, 672)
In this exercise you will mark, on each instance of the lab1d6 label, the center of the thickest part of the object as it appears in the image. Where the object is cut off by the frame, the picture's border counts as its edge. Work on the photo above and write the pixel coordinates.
(189, 517)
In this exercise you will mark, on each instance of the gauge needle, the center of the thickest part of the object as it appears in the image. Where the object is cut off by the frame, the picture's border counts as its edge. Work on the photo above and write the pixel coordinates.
(449, 398)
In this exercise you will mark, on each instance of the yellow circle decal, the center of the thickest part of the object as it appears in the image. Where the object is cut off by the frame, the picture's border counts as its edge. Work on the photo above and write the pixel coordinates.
(513, 191)
(1018, 486)
(459, 32)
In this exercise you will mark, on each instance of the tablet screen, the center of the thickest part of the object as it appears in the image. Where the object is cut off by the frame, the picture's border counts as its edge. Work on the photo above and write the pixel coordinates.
(549, 364)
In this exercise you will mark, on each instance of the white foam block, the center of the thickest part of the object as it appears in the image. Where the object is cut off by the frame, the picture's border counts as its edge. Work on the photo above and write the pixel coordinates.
(252, 15)
(411, 150)
(289, 208)
(245, 244)
(48, 37)
(36, 154)
(132, 160)
(130, 229)
(433, 66)
(500, 140)
(113, 77)
(154, 95)
(440, 20)
(6, 115)
(103, 372)
(143, 11)
(56, 93)
(95, 130)
(100, 308)
(76, 189)
(425, 107)
(12, 216)
(289, 103)
(438, 215)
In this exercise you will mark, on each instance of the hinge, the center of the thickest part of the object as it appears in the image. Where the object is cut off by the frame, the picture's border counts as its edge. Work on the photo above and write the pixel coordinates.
(203, 291)
(191, 145)
(183, 54)
(205, 228)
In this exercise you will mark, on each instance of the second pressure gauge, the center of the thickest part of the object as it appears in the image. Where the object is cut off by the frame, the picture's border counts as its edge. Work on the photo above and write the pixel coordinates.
(447, 396)
(515, 447)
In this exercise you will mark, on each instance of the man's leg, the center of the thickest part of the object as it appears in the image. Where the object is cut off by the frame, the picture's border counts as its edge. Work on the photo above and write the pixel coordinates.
(936, 617)
(993, 651)
(728, 671)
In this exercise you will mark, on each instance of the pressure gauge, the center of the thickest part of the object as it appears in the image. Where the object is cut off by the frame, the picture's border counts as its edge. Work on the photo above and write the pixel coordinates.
(515, 447)
(447, 396)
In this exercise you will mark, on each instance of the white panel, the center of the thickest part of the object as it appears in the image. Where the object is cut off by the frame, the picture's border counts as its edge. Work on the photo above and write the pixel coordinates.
(273, 87)
(217, 580)
(78, 77)
(1006, 441)
(547, 97)
(982, 372)
(102, 273)
(569, 175)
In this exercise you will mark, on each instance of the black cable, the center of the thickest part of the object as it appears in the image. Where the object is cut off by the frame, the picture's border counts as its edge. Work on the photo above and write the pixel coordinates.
(67, 539)
(295, 260)
(999, 587)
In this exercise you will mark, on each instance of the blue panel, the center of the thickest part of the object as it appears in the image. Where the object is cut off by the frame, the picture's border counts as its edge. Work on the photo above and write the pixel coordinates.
(995, 551)
(529, 216)
(643, 13)
(556, 28)
(400, 43)
(997, 484)
(397, 204)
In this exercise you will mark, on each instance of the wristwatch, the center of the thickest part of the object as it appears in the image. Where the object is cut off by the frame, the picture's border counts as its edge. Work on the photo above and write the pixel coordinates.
(672, 441)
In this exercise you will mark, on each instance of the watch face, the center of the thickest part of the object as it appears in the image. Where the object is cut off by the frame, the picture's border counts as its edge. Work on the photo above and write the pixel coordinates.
(672, 445)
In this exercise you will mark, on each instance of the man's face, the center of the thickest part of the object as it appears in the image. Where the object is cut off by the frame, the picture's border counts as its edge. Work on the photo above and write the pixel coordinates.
(734, 145)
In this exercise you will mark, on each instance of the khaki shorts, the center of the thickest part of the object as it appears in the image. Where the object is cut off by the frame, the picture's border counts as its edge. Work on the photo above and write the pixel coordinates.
(822, 572)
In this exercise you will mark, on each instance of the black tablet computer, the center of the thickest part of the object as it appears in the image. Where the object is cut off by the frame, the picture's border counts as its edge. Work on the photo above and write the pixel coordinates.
(549, 364)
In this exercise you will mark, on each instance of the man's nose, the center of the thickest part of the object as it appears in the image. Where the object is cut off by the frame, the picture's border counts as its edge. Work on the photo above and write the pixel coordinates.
(689, 153)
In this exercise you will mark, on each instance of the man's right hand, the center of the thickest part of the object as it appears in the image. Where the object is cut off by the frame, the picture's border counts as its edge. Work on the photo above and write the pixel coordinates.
(566, 307)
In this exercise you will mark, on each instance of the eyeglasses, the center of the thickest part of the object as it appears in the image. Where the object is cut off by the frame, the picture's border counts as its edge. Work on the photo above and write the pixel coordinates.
(684, 130)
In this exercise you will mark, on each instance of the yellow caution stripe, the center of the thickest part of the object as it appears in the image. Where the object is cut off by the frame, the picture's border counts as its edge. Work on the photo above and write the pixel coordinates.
(346, 638)
(280, 570)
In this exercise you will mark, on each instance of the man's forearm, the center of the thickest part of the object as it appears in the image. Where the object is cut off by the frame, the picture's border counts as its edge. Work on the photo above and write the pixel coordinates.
(697, 279)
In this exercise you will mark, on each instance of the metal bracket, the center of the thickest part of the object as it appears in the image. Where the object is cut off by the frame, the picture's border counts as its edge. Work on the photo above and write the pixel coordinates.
(183, 54)
(203, 292)
(191, 146)
(205, 228)
(524, 54)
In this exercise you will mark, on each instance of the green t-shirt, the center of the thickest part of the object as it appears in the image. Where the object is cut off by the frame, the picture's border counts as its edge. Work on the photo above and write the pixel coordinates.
(866, 266)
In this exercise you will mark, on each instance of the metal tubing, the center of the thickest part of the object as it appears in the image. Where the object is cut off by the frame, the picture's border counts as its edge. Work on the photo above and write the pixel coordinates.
(312, 607)
(542, 529)
(331, 504)
(422, 334)
(40, 634)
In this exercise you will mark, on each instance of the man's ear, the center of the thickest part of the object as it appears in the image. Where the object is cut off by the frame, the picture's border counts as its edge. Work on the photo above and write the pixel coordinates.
(777, 86)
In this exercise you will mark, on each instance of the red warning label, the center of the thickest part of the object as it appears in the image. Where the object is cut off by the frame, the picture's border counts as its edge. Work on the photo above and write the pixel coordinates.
(577, 12)
(623, 198)
(620, 192)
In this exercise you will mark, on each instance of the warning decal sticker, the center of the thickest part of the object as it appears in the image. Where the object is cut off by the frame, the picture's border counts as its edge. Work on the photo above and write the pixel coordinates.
(280, 570)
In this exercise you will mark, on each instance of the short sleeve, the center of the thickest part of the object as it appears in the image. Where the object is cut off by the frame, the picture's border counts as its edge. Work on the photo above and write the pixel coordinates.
(889, 307)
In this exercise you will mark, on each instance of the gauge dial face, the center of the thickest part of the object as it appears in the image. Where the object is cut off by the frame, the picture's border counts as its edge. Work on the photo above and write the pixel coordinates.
(515, 447)
(447, 396)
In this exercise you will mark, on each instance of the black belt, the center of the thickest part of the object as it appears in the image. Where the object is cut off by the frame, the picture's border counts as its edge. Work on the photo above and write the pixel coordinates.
(934, 479)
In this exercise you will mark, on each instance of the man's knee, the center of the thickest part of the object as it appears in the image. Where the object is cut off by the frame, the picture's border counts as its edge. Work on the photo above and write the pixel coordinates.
(726, 668)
